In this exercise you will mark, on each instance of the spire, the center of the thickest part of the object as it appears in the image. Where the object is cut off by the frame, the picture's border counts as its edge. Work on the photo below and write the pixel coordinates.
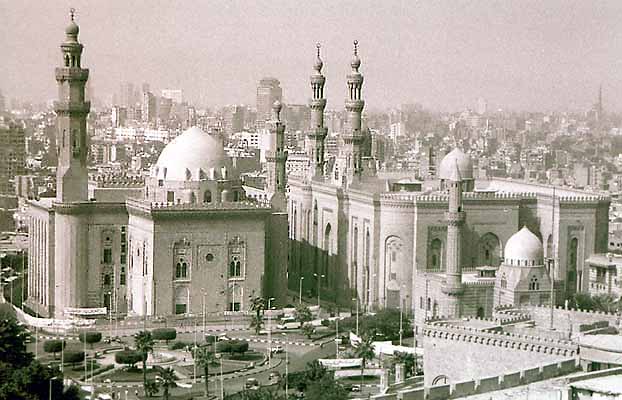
(276, 110)
(356, 61)
(317, 131)
(318, 62)
(72, 29)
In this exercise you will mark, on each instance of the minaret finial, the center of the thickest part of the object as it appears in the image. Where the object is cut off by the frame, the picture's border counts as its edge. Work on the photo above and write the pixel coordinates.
(72, 12)
(356, 47)
(319, 46)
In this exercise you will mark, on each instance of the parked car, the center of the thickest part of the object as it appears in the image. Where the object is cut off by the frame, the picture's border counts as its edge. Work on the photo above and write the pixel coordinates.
(252, 384)
(288, 323)
(277, 349)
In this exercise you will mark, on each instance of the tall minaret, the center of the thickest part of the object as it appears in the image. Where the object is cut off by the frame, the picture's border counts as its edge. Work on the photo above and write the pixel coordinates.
(276, 156)
(455, 217)
(317, 132)
(350, 162)
(71, 110)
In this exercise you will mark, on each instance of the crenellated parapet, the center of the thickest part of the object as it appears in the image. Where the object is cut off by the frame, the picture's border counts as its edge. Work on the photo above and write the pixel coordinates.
(118, 181)
(447, 331)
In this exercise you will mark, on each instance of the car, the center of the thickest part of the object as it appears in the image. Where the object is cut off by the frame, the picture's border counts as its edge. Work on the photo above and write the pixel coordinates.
(275, 377)
(356, 388)
(252, 384)
(288, 323)
(277, 349)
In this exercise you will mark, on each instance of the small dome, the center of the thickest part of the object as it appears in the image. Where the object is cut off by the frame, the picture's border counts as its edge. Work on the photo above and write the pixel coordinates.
(72, 29)
(448, 165)
(191, 155)
(523, 249)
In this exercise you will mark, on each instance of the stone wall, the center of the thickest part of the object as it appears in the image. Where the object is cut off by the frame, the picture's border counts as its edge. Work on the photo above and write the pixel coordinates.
(564, 319)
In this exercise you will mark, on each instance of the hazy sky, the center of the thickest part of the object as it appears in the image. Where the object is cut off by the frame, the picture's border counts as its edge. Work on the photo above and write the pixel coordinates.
(526, 55)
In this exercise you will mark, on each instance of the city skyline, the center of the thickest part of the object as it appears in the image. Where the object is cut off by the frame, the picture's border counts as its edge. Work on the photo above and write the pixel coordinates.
(516, 55)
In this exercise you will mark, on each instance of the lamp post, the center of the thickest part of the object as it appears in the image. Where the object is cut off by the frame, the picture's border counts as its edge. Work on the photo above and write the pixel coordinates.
(222, 389)
(194, 353)
(50, 387)
(110, 312)
(401, 320)
(23, 278)
(318, 278)
(270, 332)
(203, 305)
(302, 278)
(286, 367)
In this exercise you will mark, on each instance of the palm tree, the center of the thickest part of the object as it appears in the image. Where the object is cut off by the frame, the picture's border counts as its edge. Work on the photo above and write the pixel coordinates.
(151, 388)
(205, 358)
(258, 304)
(407, 359)
(167, 380)
(144, 345)
(365, 350)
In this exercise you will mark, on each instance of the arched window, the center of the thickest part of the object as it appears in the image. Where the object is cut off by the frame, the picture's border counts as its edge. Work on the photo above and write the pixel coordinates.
(429, 304)
(193, 198)
(315, 218)
(571, 271)
(207, 197)
(504, 281)
(294, 224)
(489, 250)
(534, 284)
(66, 60)
(435, 254)
(181, 269)
(235, 267)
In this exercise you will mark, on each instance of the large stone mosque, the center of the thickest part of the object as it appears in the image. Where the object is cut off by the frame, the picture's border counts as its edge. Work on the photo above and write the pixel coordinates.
(187, 241)
(189, 235)
(451, 247)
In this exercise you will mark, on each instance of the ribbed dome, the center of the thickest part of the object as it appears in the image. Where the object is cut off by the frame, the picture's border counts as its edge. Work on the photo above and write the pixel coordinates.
(523, 249)
(449, 162)
(192, 156)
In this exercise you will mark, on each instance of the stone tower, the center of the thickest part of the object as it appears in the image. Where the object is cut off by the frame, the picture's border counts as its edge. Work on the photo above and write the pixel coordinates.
(276, 156)
(455, 218)
(71, 110)
(317, 132)
(350, 158)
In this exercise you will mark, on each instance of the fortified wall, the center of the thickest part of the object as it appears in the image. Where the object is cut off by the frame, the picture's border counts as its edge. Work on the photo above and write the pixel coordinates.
(454, 353)
(571, 320)
(487, 383)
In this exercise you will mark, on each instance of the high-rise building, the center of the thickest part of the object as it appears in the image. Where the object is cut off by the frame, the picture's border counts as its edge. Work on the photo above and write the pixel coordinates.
(165, 105)
(268, 91)
(12, 151)
(234, 119)
(148, 107)
(174, 94)
(119, 116)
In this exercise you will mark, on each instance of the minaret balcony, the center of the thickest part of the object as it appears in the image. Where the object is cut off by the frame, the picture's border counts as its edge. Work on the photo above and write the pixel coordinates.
(355, 105)
(456, 217)
(72, 106)
(72, 74)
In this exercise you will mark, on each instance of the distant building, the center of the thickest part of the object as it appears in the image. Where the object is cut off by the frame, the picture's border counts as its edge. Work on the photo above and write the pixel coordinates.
(268, 91)
(148, 112)
(119, 116)
(174, 94)
(234, 119)
(12, 155)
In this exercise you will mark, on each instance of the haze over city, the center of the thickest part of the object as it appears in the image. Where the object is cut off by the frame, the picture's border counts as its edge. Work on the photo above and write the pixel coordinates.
(521, 55)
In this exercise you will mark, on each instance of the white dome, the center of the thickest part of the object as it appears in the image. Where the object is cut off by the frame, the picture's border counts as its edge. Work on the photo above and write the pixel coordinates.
(193, 155)
(523, 249)
(449, 162)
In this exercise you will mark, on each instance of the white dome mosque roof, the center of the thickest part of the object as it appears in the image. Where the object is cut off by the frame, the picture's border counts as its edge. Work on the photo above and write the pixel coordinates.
(449, 162)
(523, 249)
(193, 155)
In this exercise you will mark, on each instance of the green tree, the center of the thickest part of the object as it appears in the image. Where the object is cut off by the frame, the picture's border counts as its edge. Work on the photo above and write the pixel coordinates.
(365, 350)
(327, 388)
(256, 323)
(90, 337)
(144, 345)
(151, 388)
(167, 380)
(308, 330)
(164, 334)
(53, 346)
(303, 314)
(128, 357)
(73, 357)
(407, 359)
(259, 394)
(258, 305)
(314, 371)
(205, 358)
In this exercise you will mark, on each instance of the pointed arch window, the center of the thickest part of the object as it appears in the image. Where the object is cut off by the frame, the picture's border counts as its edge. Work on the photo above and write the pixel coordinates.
(534, 284)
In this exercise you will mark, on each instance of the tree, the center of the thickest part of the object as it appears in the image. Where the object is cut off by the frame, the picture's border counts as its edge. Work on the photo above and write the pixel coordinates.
(599, 302)
(73, 357)
(128, 357)
(90, 337)
(13, 343)
(151, 388)
(167, 380)
(308, 330)
(144, 345)
(164, 334)
(314, 371)
(303, 314)
(259, 394)
(205, 358)
(53, 346)
(224, 346)
(239, 347)
(407, 359)
(256, 323)
(326, 388)
(258, 304)
(365, 350)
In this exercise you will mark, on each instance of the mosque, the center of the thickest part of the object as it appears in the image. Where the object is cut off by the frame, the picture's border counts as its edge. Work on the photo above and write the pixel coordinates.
(186, 241)
(452, 247)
